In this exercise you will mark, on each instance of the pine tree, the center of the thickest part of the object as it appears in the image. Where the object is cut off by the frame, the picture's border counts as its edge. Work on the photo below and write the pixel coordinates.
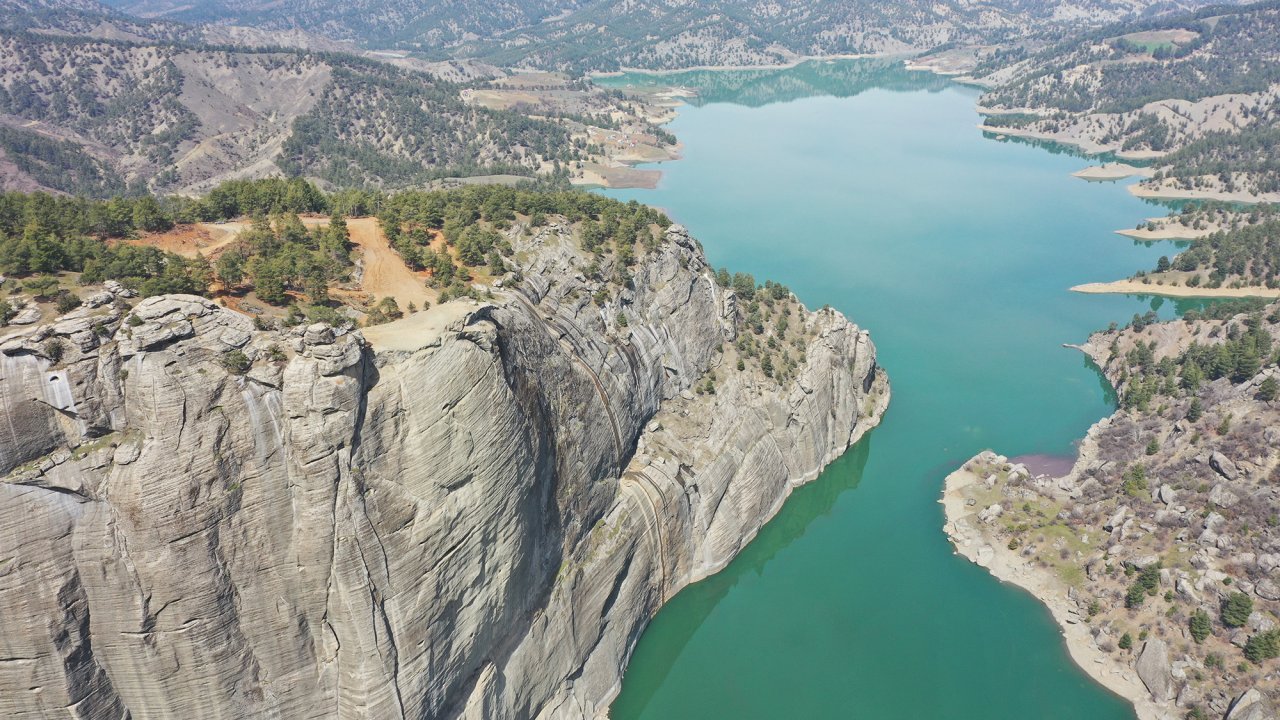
(1195, 411)
(1268, 390)
(1201, 626)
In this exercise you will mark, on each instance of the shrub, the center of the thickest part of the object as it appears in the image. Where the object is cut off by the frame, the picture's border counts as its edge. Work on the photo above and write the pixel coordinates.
(1126, 641)
(54, 349)
(1195, 411)
(236, 362)
(325, 314)
(1201, 626)
(1135, 482)
(1146, 584)
(1268, 390)
(67, 301)
(1263, 646)
(385, 311)
(1236, 609)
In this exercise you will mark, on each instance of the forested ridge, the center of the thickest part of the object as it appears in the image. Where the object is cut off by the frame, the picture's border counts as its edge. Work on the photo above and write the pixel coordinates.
(576, 35)
(1197, 94)
(113, 115)
(1226, 50)
(55, 250)
(49, 243)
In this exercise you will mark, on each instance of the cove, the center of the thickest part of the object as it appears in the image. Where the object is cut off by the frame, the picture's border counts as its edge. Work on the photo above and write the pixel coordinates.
(869, 187)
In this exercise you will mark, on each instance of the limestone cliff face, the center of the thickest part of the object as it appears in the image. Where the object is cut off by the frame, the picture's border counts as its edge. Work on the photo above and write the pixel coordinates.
(472, 513)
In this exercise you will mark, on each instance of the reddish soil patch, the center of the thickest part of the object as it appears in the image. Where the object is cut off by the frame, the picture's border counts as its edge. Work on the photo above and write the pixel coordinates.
(385, 274)
(208, 239)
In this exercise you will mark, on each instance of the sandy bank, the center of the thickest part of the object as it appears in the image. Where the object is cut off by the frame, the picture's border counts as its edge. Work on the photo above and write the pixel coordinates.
(1137, 287)
(1167, 230)
(1168, 193)
(1085, 146)
(973, 541)
(1112, 171)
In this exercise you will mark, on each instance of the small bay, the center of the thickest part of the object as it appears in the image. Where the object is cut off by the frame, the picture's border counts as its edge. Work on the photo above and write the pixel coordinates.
(868, 187)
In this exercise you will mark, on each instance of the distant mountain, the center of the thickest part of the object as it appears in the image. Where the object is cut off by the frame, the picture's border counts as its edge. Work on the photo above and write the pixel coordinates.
(607, 34)
(385, 23)
(89, 18)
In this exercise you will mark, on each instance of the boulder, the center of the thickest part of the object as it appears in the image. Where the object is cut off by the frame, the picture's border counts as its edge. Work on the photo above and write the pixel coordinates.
(1186, 589)
(1268, 562)
(1261, 622)
(1267, 589)
(1116, 519)
(1222, 497)
(1223, 465)
(1252, 705)
(1214, 521)
(1155, 671)
(990, 514)
(28, 315)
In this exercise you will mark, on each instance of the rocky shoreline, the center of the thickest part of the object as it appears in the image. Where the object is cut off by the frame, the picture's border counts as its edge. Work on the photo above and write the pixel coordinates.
(1141, 547)
(968, 532)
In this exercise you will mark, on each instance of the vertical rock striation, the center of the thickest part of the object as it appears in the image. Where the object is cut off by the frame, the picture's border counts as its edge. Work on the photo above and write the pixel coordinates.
(473, 513)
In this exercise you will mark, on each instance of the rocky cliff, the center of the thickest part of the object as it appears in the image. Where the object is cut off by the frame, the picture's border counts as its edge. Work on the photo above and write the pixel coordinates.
(470, 512)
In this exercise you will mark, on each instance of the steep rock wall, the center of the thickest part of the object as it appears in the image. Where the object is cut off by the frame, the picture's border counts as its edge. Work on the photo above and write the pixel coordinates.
(472, 514)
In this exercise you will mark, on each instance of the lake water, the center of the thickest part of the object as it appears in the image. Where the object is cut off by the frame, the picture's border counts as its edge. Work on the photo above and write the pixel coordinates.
(868, 187)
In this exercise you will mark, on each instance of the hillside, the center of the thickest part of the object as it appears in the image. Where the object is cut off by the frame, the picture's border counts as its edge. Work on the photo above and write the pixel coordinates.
(1199, 94)
(606, 35)
(182, 118)
(96, 102)
(91, 19)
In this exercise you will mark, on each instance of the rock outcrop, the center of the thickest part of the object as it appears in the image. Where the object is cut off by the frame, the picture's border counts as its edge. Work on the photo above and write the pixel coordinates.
(1154, 669)
(473, 513)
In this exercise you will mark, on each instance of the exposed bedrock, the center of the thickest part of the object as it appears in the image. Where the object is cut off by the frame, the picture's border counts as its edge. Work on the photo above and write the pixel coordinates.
(472, 514)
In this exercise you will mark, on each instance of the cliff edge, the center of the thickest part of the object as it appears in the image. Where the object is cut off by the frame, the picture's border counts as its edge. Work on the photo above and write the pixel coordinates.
(470, 512)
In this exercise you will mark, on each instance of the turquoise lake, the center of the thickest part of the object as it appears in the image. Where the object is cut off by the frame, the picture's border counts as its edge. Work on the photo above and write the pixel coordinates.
(869, 188)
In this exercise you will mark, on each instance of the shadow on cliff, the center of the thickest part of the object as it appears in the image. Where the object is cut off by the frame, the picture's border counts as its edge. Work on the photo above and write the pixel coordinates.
(666, 638)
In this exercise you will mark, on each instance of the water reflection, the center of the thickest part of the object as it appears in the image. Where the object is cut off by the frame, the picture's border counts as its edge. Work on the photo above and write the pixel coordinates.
(764, 86)
(686, 612)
